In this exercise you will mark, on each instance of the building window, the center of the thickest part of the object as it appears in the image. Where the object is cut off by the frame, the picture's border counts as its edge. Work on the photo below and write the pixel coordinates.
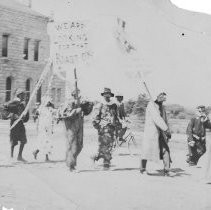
(8, 89)
(39, 95)
(36, 50)
(59, 93)
(5, 38)
(28, 89)
(26, 49)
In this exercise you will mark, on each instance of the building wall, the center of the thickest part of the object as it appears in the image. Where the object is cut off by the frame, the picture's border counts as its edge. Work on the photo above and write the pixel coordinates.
(19, 25)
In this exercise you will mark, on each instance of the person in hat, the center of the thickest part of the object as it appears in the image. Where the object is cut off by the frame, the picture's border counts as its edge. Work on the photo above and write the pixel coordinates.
(121, 128)
(105, 120)
(17, 133)
(156, 135)
(196, 133)
(45, 129)
(73, 117)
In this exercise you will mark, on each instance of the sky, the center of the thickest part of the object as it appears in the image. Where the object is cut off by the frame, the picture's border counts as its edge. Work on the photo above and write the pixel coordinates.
(45, 6)
(104, 20)
(203, 6)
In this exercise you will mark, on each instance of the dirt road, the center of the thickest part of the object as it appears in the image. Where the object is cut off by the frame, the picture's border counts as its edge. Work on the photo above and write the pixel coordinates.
(37, 185)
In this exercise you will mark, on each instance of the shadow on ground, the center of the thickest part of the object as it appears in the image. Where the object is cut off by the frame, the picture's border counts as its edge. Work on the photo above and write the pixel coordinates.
(128, 154)
(178, 172)
(45, 162)
(6, 166)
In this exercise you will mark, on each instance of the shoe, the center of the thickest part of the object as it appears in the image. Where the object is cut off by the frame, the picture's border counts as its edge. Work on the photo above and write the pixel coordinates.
(76, 171)
(192, 164)
(168, 173)
(35, 153)
(106, 166)
(21, 159)
(95, 158)
(188, 160)
(73, 170)
(143, 172)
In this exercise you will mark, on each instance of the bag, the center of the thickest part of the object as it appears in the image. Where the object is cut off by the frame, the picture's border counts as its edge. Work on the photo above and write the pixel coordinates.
(86, 107)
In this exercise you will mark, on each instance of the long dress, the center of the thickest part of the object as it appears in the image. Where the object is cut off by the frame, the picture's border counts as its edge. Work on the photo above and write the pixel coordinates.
(45, 130)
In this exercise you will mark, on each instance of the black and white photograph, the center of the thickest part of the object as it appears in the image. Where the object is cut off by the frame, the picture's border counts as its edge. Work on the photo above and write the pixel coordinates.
(105, 105)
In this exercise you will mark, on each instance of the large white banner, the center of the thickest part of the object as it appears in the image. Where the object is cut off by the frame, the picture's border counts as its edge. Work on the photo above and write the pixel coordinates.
(70, 46)
(69, 50)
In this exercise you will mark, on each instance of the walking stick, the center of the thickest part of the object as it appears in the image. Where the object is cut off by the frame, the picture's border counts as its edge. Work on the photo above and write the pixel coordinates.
(76, 87)
(129, 48)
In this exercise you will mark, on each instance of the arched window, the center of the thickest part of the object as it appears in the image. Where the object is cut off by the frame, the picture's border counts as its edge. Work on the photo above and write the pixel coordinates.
(39, 94)
(28, 89)
(8, 88)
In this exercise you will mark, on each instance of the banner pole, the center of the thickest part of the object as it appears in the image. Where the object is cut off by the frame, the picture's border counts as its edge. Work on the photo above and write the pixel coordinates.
(39, 83)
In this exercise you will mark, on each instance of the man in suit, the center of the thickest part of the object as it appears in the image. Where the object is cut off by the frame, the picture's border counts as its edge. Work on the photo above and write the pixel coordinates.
(196, 132)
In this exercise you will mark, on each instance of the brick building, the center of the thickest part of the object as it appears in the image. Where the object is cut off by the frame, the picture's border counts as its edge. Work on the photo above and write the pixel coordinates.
(24, 50)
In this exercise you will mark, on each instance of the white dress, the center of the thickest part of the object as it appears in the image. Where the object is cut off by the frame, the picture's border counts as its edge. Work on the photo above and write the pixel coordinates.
(45, 130)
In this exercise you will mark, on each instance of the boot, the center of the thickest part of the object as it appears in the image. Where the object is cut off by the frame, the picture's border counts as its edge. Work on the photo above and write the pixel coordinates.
(35, 153)
(168, 173)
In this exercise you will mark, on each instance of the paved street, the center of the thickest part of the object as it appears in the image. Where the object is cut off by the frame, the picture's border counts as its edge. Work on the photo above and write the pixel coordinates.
(37, 185)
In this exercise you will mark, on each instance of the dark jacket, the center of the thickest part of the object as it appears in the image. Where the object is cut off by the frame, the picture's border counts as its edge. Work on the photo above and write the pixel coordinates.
(121, 111)
(16, 107)
(197, 128)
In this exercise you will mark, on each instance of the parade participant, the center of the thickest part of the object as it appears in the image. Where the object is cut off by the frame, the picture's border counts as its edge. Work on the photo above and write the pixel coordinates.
(18, 133)
(45, 128)
(121, 128)
(105, 120)
(196, 132)
(74, 120)
(156, 135)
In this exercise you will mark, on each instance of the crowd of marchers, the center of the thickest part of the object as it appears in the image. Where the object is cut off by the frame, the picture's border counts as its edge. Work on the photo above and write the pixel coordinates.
(109, 119)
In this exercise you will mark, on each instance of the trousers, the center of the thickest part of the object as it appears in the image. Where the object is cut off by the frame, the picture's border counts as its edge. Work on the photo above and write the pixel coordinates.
(106, 141)
(196, 151)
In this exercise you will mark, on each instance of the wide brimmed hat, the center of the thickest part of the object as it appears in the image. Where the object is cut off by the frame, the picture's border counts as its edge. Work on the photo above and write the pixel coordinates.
(19, 91)
(107, 91)
(201, 107)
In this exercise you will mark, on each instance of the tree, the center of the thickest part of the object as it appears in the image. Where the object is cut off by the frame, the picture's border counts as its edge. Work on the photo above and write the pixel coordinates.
(129, 106)
(137, 107)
